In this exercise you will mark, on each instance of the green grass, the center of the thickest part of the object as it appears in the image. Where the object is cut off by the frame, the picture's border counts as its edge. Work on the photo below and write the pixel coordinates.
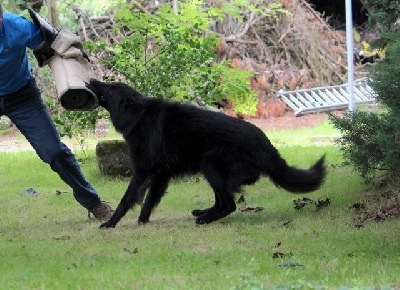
(47, 242)
(319, 135)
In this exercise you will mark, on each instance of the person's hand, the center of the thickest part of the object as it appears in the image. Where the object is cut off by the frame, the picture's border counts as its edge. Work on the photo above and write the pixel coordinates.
(44, 52)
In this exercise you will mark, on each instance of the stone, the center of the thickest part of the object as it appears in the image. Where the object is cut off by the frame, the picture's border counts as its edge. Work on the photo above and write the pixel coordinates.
(113, 158)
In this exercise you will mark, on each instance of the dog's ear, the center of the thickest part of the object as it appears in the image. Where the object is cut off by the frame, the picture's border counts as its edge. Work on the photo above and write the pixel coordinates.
(128, 114)
(130, 105)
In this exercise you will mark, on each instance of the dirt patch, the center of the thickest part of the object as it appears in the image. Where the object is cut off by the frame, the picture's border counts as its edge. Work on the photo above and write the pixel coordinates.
(289, 121)
(12, 140)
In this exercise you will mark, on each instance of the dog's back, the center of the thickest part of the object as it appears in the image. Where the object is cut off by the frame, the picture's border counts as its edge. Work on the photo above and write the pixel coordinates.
(187, 134)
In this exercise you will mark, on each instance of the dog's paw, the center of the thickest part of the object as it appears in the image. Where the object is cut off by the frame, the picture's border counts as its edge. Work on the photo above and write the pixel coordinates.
(204, 219)
(197, 212)
(143, 220)
(107, 225)
(202, 212)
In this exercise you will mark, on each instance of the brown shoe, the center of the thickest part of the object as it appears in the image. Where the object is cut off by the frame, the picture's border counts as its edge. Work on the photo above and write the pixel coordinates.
(102, 211)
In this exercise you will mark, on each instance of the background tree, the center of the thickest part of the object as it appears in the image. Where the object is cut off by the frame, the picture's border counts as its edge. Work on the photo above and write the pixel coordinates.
(53, 14)
(382, 13)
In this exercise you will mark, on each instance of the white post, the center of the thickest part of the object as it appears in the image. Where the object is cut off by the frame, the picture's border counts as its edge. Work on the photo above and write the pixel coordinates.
(350, 57)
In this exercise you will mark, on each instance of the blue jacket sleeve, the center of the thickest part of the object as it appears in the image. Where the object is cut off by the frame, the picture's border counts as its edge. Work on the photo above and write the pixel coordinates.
(28, 33)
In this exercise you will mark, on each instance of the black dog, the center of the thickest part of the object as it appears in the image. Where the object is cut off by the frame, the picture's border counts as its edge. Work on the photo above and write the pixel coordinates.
(168, 139)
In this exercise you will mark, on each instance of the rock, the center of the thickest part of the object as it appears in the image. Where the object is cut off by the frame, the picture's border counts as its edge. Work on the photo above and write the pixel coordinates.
(113, 158)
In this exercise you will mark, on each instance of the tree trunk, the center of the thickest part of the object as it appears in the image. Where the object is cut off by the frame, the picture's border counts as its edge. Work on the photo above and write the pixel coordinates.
(175, 6)
(53, 14)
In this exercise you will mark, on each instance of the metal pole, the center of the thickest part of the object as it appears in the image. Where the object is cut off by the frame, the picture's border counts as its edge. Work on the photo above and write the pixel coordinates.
(350, 57)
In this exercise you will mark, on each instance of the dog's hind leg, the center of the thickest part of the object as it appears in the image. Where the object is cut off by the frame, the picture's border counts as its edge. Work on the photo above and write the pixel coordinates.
(224, 201)
(225, 183)
(133, 195)
(157, 190)
(209, 171)
(226, 205)
(200, 212)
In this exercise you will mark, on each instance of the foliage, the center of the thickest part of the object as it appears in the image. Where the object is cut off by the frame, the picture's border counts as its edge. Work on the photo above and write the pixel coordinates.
(359, 142)
(7, 5)
(172, 56)
(233, 86)
(73, 124)
(382, 13)
(88, 8)
(64, 8)
(371, 140)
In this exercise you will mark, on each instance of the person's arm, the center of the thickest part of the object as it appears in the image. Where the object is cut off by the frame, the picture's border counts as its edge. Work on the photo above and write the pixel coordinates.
(42, 51)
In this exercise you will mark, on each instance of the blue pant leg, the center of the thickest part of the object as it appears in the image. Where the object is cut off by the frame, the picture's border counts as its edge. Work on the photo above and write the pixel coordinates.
(27, 111)
(65, 164)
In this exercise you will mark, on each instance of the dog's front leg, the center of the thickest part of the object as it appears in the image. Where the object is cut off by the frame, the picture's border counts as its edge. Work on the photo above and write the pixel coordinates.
(157, 190)
(133, 195)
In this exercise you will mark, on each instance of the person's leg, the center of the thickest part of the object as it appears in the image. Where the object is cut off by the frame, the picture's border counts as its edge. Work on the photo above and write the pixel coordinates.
(27, 111)
(64, 163)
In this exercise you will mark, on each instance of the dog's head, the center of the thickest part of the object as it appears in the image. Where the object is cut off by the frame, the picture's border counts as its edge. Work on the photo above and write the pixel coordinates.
(113, 93)
(93, 85)
(123, 102)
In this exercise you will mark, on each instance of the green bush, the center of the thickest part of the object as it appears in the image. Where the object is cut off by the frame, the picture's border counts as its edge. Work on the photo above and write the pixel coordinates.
(173, 55)
(371, 140)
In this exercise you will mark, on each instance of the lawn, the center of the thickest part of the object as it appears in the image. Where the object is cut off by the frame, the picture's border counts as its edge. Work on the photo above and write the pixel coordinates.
(48, 242)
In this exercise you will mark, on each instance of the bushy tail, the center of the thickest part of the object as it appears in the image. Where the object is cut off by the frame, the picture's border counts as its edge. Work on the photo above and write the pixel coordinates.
(297, 180)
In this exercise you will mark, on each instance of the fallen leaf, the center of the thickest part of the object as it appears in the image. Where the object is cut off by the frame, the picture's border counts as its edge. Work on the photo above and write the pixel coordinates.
(62, 238)
(286, 223)
(255, 209)
(277, 255)
(302, 202)
(134, 251)
(59, 192)
(292, 265)
(358, 206)
(323, 203)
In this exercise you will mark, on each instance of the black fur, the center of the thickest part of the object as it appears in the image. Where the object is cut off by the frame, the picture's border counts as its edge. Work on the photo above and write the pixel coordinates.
(168, 139)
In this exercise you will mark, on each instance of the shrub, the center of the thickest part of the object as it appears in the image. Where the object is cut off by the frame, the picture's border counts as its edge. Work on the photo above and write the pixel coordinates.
(370, 141)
